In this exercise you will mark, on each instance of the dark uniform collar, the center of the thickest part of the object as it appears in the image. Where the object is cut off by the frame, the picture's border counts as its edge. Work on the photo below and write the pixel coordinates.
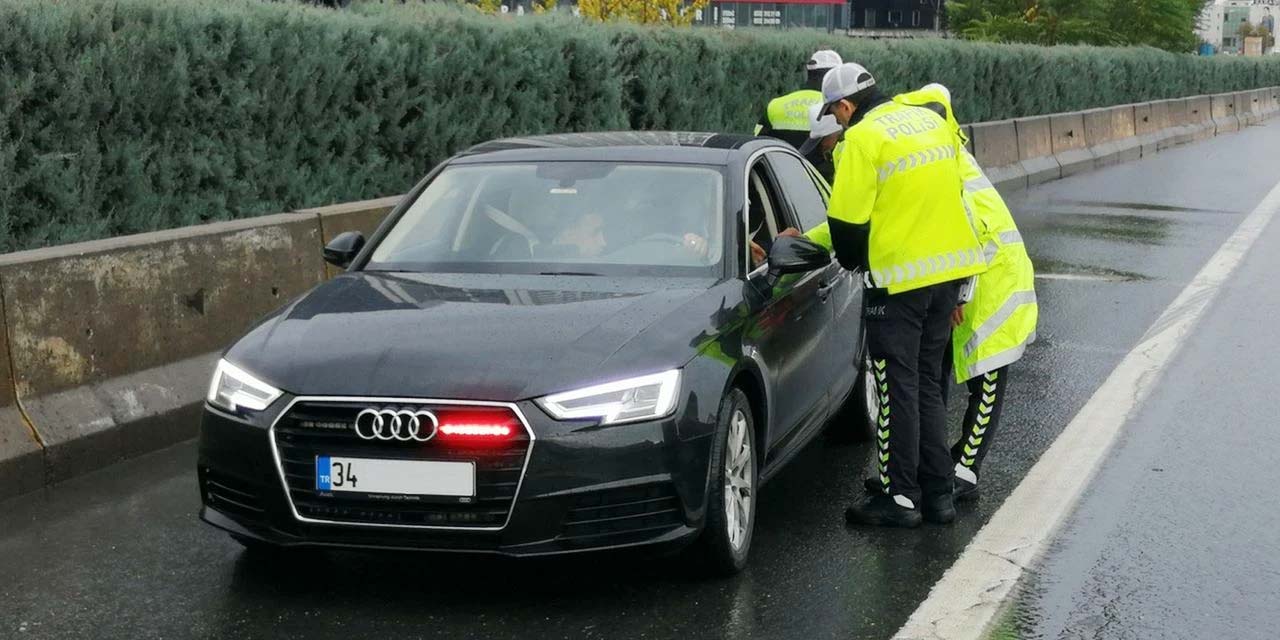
(867, 105)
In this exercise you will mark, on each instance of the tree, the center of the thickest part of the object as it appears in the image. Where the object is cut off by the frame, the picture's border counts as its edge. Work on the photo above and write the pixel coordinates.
(672, 12)
(1167, 24)
(1043, 22)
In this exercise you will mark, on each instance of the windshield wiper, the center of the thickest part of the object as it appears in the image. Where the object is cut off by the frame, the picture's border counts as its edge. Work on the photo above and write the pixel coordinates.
(567, 273)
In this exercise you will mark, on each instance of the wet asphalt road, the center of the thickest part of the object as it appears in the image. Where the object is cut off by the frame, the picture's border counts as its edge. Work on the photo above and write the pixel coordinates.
(120, 553)
(1178, 536)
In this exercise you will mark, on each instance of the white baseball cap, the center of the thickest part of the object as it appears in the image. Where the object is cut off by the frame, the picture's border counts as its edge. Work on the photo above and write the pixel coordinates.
(844, 81)
(820, 126)
(824, 59)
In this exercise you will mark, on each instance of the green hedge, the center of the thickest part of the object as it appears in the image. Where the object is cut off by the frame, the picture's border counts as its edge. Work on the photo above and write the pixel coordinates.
(121, 116)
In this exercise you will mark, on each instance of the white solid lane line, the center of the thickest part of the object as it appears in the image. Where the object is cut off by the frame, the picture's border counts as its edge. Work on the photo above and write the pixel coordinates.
(965, 602)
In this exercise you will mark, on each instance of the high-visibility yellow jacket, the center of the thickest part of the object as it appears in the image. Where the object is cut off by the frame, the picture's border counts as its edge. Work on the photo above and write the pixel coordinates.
(787, 117)
(1000, 320)
(899, 186)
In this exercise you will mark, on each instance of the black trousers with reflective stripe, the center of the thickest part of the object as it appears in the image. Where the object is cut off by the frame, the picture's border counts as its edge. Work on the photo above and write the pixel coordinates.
(907, 336)
(981, 419)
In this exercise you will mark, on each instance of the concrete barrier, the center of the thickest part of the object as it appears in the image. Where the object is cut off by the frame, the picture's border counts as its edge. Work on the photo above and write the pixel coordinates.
(1110, 135)
(1263, 104)
(1199, 118)
(363, 216)
(21, 456)
(113, 342)
(1035, 150)
(1070, 148)
(1176, 117)
(1151, 122)
(1223, 110)
(995, 147)
(1246, 108)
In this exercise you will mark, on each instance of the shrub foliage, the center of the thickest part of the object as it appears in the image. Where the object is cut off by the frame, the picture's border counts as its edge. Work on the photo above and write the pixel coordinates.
(122, 116)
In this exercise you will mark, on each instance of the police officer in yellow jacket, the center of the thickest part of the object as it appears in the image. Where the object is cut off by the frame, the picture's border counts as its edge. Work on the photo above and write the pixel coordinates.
(897, 212)
(822, 149)
(786, 117)
(998, 321)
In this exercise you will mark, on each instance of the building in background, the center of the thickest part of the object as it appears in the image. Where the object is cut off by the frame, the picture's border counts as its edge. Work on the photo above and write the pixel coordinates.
(895, 18)
(1220, 23)
(830, 15)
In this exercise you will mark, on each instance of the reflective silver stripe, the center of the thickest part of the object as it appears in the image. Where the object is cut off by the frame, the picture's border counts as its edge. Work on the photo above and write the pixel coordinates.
(916, 160)
(968, 212)
(978, 184)
(990, 249)
(1010, 237)
(993, 323)
(906, 272)
(1002, 359)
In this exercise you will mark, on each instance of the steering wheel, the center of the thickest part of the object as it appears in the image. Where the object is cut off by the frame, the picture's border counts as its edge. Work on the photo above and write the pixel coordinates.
(669, 238)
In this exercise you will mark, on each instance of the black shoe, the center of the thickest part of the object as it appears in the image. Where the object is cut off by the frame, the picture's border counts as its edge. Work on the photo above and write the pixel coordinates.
(881, 511)
(939, 509)
(964, 490)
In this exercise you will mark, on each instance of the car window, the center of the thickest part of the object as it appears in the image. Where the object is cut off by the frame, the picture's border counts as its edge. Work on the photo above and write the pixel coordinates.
(557, 217)
(802, 192)
(765, 214)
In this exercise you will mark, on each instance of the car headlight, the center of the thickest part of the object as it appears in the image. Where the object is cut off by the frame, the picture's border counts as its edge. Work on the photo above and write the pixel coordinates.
(643, 398)
(233, 389)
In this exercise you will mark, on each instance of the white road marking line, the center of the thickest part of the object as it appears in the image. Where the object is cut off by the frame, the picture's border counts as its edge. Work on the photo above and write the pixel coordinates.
(965, 602)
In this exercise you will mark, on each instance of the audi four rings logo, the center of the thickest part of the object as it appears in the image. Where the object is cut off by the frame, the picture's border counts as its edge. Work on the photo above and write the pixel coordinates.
(396, 424)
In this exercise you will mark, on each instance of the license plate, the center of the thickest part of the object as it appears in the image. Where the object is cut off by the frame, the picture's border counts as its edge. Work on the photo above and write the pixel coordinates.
(406, 477)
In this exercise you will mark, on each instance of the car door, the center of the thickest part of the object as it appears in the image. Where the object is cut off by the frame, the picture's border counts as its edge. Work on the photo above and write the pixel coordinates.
(806, 194)
(788, 316)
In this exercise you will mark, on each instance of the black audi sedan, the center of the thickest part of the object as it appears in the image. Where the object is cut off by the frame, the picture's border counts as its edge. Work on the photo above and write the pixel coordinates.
(552, 344)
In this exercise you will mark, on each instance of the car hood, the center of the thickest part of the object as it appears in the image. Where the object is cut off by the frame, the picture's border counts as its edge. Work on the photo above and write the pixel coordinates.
(476, 337)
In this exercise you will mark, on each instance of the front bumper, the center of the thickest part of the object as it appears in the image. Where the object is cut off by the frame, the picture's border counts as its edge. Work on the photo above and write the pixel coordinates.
(583, 488)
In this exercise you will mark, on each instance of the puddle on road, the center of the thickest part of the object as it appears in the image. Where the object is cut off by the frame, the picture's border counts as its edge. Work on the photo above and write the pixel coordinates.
(1059, 270)
(1134, 206)
(1114, 227)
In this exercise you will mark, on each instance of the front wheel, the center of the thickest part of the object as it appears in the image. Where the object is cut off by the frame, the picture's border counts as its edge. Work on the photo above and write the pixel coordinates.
(855, 420)
(731, 513)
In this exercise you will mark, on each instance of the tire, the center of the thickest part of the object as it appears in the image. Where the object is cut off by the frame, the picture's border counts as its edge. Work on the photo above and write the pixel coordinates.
(726, 536)
(855, 419)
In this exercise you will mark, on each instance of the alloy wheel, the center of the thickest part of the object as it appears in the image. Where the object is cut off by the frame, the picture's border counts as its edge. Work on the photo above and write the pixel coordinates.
(739, 480)
(871, 391)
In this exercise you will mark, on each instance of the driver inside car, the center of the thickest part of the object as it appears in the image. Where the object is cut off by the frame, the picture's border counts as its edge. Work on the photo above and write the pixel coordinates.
(585, 236)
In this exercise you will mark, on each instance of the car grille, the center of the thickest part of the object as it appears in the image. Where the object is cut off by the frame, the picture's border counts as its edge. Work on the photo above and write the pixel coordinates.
(630, 510)
(315, 427)
(231, 496)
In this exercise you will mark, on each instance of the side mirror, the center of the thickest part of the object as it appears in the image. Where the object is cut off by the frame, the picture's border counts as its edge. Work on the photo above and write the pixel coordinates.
(796, 255)
(343, 249)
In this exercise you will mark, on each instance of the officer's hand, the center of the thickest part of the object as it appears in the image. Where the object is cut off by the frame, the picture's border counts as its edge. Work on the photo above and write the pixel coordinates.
(957, 316)
(789, 232)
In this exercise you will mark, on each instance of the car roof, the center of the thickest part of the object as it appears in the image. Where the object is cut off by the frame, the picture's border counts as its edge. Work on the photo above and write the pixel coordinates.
(652, 146)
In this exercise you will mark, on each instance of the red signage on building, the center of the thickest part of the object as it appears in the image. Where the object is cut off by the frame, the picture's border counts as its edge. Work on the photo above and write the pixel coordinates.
(787, 1)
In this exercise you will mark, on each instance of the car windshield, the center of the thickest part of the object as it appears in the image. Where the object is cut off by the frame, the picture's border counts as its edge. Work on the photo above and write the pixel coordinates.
(591, 218)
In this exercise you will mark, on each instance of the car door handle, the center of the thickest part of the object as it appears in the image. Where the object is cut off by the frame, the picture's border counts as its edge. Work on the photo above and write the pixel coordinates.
(824, 290)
